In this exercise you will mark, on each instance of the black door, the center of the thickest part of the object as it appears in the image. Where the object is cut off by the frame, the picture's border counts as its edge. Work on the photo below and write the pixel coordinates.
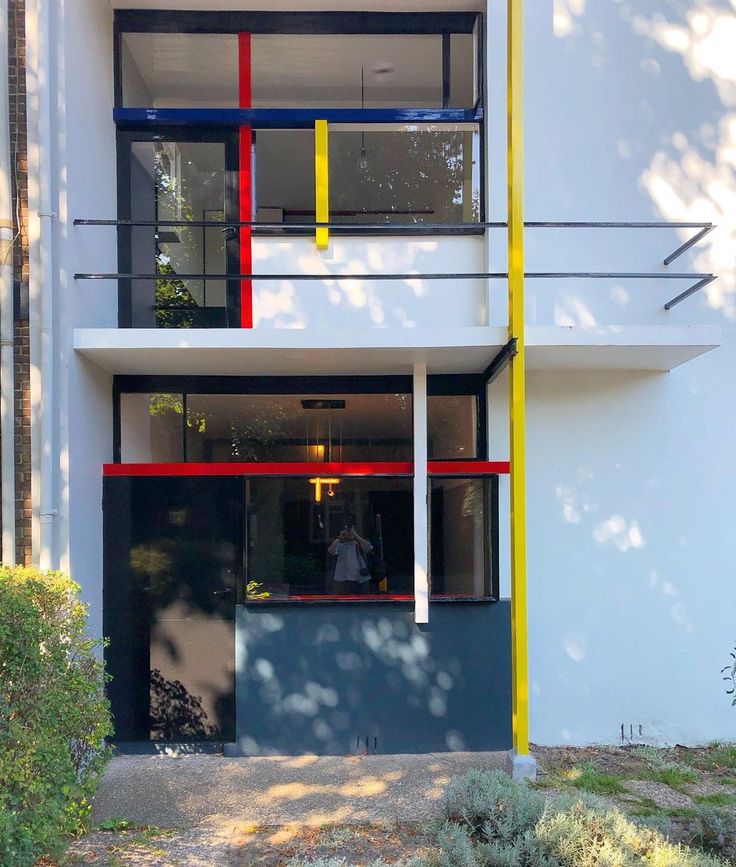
(178, 176)
(172, 562)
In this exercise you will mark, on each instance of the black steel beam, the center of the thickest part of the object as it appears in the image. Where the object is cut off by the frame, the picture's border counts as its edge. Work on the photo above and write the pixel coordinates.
(708, 278)
(688, 244)
(502, 358)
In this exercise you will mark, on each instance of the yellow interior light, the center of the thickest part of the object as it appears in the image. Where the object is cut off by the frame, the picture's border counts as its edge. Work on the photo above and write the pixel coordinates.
(318, 485)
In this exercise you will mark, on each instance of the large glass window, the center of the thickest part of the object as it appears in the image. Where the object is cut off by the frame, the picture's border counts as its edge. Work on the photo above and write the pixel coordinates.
(452, 427)
(335, 427)
(404, 174)
(328, 536)
(179, 70)
(284, 175)
(180, 181)
(330, 427)
(463, 536)
(151, 428)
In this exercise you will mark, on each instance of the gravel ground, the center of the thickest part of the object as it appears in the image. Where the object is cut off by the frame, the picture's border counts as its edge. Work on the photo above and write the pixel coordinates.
(198, 810)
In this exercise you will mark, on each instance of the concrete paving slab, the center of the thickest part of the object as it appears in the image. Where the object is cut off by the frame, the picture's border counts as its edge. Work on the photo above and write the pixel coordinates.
(182, 791)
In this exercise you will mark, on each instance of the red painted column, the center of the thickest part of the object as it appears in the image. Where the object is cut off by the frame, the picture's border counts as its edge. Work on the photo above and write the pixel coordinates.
(245, 181)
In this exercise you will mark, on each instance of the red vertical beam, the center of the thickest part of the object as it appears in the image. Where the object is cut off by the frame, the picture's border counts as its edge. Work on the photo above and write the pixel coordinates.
(245, 182)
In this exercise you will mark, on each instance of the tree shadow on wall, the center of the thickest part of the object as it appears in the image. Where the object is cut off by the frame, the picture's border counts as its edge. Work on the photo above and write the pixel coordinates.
(175, 713)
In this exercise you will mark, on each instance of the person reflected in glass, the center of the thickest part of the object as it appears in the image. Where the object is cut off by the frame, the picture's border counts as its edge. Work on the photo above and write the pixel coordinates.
(352, 573)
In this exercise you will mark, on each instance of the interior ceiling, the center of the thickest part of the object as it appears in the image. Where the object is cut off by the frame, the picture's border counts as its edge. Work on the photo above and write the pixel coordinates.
(290, 70)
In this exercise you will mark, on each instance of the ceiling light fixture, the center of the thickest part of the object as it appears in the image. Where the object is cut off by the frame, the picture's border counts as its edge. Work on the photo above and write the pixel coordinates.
(363, 158)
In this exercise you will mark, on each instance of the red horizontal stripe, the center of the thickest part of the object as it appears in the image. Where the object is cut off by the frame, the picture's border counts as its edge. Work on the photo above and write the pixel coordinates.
(393, 468)
(351, 468)
(477, 468)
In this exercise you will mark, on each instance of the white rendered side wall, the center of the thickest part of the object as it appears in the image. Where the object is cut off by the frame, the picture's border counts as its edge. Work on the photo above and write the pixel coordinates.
(630, 115)
(87, 188)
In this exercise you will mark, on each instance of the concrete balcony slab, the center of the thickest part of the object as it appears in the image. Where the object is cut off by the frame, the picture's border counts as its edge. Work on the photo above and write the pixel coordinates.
(386, 350)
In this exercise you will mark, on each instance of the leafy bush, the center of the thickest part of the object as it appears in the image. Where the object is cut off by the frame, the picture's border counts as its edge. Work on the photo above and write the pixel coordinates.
(501, 823)
(53, 714)
(492, 805)
(712, 829)
(456, 846)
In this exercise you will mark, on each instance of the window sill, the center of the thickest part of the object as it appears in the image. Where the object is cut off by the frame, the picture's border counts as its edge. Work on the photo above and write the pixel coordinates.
(382, 598)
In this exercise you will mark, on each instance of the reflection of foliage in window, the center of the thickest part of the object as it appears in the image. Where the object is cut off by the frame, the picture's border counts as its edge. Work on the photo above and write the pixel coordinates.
(257, 438)
(451, 425)
(174, 202)
(175, 712)
(163, 403)
(253, 590)
(172, 293)
(473, 498)
(293, 570)
(398, 402)
(427, 172)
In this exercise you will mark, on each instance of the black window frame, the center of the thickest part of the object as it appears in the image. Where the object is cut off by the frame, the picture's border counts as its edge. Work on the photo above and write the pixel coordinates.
(325, 23)
(125, 138)
(491, 541)
(305, 23)
(437, 385)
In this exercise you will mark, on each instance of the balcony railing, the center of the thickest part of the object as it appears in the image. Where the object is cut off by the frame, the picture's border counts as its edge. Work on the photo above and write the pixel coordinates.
(694, 280)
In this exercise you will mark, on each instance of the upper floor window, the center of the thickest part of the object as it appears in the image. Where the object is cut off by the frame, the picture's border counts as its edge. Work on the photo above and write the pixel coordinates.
(165, 65)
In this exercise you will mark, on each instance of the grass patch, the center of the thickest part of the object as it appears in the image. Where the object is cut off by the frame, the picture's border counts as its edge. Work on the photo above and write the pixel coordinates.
(643, 808)
(590, 779)
(723, 756)
(717, 799)
(335, 837)
(727, 781)
(116, 823)
(673, 775)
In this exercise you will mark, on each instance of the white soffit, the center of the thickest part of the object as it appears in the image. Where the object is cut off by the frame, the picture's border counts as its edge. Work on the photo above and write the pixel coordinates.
(289, 351)
(386, 350)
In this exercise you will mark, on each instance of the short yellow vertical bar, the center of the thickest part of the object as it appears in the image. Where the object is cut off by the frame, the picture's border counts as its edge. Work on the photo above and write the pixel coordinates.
(322, 183)
(517, 396)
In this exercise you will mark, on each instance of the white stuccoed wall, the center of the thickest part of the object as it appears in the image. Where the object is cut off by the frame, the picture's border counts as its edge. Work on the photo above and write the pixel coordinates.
(630, 115)
(86, 186)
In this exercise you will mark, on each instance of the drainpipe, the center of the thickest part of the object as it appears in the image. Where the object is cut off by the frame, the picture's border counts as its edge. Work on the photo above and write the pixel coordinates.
(44, 293)
(7, 380)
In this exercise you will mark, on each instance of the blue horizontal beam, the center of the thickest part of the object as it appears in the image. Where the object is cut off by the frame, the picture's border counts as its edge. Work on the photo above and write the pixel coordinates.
(290, 117)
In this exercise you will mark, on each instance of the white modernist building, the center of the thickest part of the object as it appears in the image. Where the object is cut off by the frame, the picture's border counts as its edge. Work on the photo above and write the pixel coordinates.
(306, 527)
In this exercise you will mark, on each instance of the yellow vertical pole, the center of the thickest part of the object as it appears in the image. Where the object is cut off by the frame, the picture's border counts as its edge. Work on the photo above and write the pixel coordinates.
(322, 184)
(517, 396)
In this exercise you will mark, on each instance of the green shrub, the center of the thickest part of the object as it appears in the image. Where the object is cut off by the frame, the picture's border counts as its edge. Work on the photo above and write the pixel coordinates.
(456, 846)
(502, 823)
(53, 714)
(712, 829)
(492, 805)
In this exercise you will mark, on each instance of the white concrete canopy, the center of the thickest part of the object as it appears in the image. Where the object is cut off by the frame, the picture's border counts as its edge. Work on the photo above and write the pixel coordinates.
(443, 350)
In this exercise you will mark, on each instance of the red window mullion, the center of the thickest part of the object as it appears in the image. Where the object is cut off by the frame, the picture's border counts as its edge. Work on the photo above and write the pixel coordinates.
(245, 182)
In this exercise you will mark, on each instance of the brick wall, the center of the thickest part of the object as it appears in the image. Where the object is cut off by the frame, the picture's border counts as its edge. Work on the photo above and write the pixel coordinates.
(19, 157)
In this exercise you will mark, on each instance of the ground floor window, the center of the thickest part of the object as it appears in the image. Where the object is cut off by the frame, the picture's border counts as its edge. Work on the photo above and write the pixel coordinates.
(329, 536)
(319, 475)
(275, 538)
(294, 420)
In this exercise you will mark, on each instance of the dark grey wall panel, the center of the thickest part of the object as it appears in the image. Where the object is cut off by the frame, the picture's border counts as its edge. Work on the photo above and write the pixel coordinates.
(323, 678)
